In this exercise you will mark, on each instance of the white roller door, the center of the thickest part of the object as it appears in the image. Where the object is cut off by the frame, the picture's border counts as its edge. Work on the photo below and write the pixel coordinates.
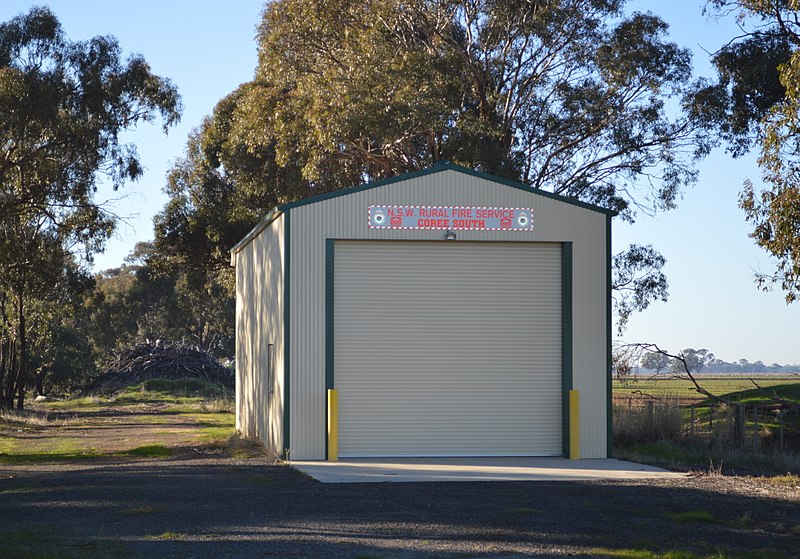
(448, 348)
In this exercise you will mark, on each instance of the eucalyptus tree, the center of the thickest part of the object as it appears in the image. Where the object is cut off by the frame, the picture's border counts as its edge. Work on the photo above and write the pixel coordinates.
(217, 192)
(569, 97)
(63, 106)
(756, 104)
(566, 96)
(572, 97)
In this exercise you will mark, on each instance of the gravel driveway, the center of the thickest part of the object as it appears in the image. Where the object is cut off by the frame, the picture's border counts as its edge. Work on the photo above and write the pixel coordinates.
(215, 507)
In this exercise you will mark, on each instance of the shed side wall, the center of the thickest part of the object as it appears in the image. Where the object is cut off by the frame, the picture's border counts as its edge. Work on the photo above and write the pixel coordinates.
(259, 323)
(345, 217)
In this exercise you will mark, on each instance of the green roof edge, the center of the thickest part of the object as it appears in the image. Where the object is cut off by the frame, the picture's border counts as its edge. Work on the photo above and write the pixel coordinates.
(436, 168)
(274, 214)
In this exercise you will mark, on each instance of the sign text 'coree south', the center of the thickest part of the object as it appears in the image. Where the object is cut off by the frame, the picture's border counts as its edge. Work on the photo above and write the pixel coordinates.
(451, 217)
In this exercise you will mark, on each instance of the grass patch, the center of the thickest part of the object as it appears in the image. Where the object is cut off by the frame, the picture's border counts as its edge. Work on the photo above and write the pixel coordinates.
(75, 429)
(84, 403)
(185, 390)
(43, 542)
(680, 554)
(645, 554)
(22, 451)
(216, 427)
(789, 480)
(665, 453)
(189, 393)
(21, 490)
(213, 419)
(149, 451)
(790, 392)
(169, 536)
(211, 435)
(675, 456)
(716, 384)
(46, 457)
(183, 387)
(700, 516)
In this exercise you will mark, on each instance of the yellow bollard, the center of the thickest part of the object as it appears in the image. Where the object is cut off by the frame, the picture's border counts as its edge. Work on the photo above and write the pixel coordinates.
(333, 425)
(574, 426)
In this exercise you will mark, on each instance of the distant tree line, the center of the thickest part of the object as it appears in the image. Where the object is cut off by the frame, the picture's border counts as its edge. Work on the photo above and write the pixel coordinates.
(703, 361)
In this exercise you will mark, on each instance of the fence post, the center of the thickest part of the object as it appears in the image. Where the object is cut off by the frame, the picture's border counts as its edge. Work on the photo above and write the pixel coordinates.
(756, 441)
(738, 425)
(651, 428)
(780, 429)
(691, 424)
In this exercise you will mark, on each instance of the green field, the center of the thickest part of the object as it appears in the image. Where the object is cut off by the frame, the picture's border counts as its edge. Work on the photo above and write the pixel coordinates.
(719, 385)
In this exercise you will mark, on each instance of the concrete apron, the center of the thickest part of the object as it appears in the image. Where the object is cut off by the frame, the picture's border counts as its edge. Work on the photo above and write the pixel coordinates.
(372, 470)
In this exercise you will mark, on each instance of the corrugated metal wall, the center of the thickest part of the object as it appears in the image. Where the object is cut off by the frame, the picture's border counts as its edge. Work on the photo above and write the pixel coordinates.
(448, 348)
(345, 217)
(260, 336)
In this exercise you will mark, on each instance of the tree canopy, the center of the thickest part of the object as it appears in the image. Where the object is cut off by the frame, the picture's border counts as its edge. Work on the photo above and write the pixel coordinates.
(565, 96)
(63, 106)
(756, 103)
(572, 97)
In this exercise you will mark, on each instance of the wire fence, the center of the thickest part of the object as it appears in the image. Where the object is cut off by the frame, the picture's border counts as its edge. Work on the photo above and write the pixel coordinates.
(770, 427)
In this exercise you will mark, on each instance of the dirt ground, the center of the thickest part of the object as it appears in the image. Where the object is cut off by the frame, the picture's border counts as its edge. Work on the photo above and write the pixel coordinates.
(204, 502)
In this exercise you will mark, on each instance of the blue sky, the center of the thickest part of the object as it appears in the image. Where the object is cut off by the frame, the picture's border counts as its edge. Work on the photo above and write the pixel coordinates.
(207, 49)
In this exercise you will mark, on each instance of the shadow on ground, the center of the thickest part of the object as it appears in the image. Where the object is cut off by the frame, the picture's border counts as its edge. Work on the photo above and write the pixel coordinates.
(208, 507)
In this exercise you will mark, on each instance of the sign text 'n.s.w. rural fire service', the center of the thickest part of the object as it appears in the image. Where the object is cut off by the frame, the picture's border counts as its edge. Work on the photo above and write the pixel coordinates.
(451, 217)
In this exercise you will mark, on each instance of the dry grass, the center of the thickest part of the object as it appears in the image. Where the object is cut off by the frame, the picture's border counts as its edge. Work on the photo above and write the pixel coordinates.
(218, 405)
(10, 419)
(648, 420)
(240, 447)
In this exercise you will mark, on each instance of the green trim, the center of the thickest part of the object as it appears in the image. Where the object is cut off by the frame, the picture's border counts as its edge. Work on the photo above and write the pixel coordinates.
(438, 169)
(274, 214)
(609, 326)
(566, 340)
(287, 276)
(329, 275)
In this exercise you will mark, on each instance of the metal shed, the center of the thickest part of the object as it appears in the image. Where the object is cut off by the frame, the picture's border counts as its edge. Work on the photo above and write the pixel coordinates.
(453, 313)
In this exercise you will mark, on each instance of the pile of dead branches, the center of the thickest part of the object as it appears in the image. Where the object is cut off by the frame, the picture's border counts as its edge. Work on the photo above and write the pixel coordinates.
(160, 360)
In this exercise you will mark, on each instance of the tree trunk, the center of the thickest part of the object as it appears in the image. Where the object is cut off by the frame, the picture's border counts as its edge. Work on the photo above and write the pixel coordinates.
(5, 347)
(22, 374)
(38, 383)
(10, 387)
(3, 356)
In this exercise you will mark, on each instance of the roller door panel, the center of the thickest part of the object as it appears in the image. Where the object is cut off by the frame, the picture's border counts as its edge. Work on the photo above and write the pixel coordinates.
(448, 348)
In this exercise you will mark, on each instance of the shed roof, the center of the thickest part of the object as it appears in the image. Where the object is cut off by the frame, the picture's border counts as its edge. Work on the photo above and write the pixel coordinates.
(437, 168)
